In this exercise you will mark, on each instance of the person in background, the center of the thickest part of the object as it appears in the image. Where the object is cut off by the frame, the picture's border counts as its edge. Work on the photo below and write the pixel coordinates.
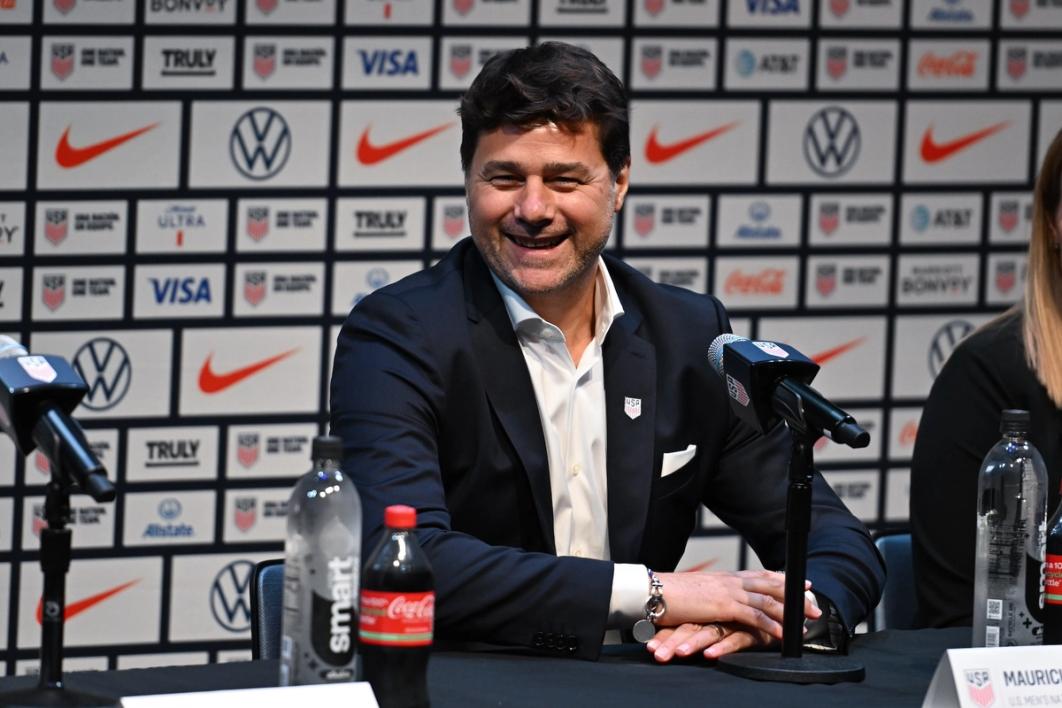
(1013, 361)
(550, 411)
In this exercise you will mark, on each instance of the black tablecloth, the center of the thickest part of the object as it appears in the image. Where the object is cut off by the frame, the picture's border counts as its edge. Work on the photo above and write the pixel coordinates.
(899, 665)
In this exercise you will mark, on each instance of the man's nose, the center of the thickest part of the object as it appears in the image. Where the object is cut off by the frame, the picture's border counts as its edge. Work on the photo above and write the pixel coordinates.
(534, 204)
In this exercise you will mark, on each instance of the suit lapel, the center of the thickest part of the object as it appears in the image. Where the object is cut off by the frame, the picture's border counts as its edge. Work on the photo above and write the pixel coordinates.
(508, 384)
(630, 403)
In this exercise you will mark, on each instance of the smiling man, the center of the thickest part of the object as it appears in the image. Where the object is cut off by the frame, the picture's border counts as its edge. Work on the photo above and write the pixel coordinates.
(550, 412)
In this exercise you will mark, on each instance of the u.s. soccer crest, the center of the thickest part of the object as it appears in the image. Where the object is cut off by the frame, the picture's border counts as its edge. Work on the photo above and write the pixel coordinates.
(266, 6)
(64, 6)
(839, 8)
(265, 59)
(62, 60)
(1017, 61)
(460, 60)
(632, 407)
(826, 278)
(654, 7)
(644, 219)
(836, 61)
(652, 60)
(979, 686)
(245, 512)
(1019, 8)
(247, 446)
(254, 286)
(453, 220)
(829, 217)
(53, 291)
(257, 222)
(37, 367)
(464, 7)
(1008, 214)
(1006, 275)
(55, 225)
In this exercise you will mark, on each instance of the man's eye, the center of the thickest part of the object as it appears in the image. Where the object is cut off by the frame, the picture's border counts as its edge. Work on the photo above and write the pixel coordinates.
(504, 179)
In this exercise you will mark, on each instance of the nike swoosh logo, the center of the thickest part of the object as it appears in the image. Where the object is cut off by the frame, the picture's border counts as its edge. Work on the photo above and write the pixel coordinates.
(211, 382)
(932, 151)
(74, 609)
(369, 154)
(656, 152)
(69, 156)
(823, 357)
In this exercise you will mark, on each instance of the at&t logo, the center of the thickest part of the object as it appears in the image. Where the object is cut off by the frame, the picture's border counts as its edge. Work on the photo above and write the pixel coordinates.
(260, 143)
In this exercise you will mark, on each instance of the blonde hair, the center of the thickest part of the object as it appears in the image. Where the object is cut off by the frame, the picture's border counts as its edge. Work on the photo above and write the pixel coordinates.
(1042, 308)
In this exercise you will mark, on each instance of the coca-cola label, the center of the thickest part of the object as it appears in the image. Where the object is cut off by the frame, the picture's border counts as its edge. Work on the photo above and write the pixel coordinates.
(1053, 579)
(397, 619)
(333, 617)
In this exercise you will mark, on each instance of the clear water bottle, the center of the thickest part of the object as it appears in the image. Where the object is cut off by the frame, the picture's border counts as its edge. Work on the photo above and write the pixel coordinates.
(1011, 524)
(321, 568)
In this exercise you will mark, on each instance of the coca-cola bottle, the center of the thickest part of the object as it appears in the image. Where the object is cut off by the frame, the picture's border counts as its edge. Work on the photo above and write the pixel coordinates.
(322, 559)
(397, 614)
(1053, 579)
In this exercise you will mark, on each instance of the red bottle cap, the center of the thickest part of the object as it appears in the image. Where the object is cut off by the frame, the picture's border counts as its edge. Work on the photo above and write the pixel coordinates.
(400, 516)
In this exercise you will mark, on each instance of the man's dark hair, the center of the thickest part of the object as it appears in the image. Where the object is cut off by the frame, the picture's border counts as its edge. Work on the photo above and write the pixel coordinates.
(552, 82)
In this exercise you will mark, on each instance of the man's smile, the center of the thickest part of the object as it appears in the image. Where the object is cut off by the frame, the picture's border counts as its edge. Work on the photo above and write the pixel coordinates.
(536, 242)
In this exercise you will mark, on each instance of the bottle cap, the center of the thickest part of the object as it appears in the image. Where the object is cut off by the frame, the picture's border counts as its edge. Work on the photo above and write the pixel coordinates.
(328, 447)
(1014, 421)
(400, 516)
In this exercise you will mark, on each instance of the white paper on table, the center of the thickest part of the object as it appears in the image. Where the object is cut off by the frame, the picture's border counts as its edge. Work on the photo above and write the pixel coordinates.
(348, 695)
(997, 677)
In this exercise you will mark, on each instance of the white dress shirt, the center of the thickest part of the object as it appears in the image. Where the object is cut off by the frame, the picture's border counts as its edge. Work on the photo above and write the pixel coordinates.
(571, 406)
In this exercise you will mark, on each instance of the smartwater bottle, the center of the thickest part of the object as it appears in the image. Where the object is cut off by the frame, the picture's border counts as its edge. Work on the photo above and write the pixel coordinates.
(1011, 524)
(321, 567)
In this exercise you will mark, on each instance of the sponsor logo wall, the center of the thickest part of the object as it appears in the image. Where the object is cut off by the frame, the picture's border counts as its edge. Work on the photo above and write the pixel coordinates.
(194, 195)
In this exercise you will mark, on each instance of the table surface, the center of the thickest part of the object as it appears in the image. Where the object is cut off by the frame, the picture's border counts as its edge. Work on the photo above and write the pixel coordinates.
(899, 666)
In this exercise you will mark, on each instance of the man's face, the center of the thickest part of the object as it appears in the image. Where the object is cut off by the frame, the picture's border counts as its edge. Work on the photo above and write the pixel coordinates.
(540, 204)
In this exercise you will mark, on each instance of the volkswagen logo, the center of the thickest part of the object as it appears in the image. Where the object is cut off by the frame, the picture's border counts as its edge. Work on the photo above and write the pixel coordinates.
(831, 142)
(260, 143)
(759, 211)
(105, 366)
(377, 277)
(944, 343)
(229, 595)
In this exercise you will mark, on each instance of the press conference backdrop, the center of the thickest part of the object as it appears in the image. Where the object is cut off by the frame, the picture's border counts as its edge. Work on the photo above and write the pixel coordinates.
(193, 193)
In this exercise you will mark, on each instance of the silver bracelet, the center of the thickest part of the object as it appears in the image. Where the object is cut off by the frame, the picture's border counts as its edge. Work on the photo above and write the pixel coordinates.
(655, 607)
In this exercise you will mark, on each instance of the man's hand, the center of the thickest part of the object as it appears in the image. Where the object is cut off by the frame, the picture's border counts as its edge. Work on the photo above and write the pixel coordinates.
(720, 613)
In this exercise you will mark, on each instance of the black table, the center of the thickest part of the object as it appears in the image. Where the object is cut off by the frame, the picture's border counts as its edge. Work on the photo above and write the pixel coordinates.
(899, 666)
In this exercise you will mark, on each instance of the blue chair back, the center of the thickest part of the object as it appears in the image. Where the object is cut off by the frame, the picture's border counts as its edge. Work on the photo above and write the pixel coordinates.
(267, 599)
(899, 600)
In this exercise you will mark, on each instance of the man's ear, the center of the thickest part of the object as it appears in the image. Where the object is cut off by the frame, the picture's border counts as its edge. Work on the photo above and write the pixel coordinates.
(623, 183)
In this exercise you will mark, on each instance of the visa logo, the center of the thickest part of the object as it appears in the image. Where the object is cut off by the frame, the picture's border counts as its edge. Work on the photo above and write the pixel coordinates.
(180, 291)
(394, 62)
(773, 7)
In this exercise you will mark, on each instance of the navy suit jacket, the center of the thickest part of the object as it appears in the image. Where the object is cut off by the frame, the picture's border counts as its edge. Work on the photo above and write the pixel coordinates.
(433, 400)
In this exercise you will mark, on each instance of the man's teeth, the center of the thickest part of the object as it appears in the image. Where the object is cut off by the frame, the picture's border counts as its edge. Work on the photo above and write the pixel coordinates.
(537, 242)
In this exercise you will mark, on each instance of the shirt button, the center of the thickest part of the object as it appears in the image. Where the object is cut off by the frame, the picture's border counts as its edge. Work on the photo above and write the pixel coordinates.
(578, 552)
(576, 469)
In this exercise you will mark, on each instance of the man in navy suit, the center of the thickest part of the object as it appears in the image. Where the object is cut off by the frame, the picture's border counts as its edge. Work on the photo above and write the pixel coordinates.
(550, 412)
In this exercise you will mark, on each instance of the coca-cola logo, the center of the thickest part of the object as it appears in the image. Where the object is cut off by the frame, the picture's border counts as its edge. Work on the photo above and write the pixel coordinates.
(412, 610)
(769, 281)
(961, 63)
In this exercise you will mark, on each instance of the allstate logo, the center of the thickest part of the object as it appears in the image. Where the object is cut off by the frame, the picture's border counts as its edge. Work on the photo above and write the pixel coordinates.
(832, 141)
(759, 211)
(920, 218)
(260, 143)
(169, 509)
(746, 62)
(229, 596)
(105, 366)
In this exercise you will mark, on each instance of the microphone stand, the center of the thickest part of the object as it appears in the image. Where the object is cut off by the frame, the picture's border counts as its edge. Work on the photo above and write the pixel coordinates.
(55, 562)
(792, 666)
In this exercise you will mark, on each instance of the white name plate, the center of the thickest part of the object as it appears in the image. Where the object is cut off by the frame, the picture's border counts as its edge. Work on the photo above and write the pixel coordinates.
(348, 695)
(999, 677)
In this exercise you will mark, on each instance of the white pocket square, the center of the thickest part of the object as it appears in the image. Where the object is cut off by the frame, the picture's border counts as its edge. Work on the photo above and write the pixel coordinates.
(674, 461)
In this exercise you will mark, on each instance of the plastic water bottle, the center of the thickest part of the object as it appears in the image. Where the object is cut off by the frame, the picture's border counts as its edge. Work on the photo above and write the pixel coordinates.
(397, 614)
(321, 568)
(1011, 521)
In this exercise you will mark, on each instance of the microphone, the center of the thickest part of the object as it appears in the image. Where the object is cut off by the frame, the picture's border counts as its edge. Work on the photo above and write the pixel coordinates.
(37, 395)
(768, 380)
